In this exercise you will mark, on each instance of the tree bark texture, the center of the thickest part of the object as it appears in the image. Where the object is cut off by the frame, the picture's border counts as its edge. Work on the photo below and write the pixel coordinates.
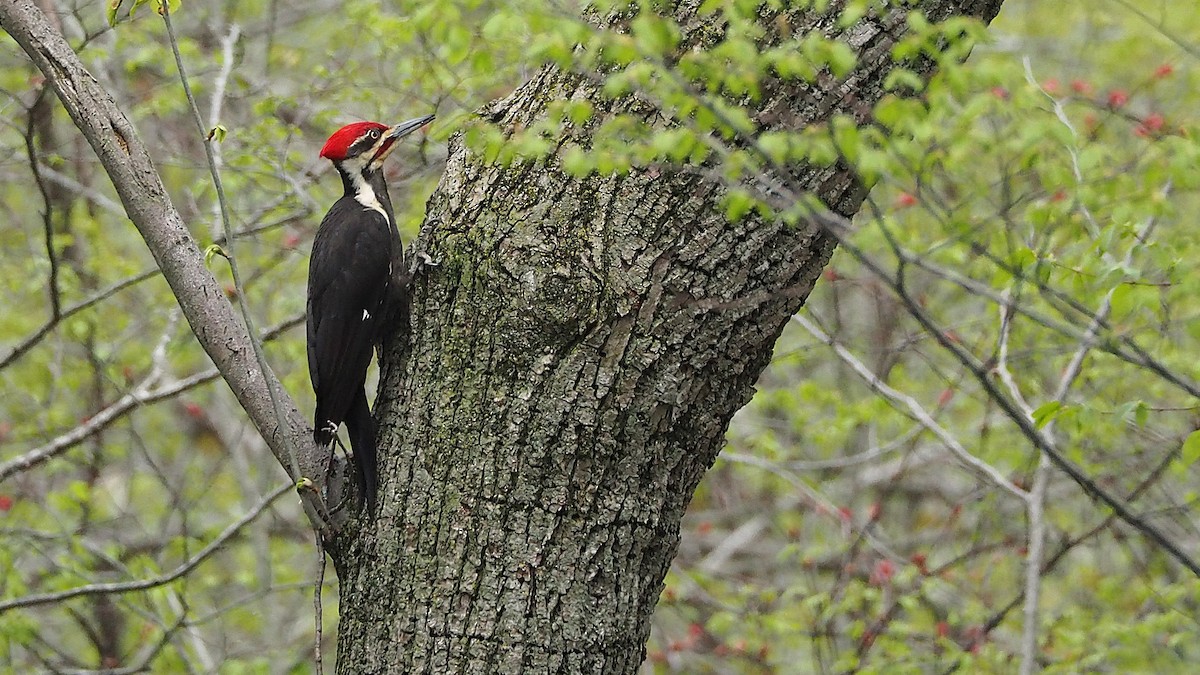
(572, 364)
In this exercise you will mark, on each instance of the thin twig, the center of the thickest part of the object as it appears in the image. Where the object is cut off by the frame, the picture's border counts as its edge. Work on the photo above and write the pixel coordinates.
(313, 504)
(214, 115)
(142, 664)
(1072, 150)
(1184, 44)
(144, 584)
(909, 407)
(141, 395)
(1035, 505)
(63, 180)
(317, 588)
(37, 336)
(48, 213)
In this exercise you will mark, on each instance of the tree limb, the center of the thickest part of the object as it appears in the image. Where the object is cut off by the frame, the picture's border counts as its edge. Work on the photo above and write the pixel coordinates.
(129, 166)
(144, 584)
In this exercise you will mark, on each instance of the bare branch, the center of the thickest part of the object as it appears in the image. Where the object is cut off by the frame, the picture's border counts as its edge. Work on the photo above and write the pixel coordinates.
(143, 394)
(314, 506)
(48, 212)
(145, 199)
(220, 216)
(910, 408)
(130, 586)
(100, 296)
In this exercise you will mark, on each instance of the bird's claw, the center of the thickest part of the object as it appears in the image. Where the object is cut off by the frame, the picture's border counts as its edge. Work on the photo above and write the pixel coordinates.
(424, 260)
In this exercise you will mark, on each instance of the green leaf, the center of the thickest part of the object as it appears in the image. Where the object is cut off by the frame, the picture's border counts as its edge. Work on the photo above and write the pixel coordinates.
(1123, 300)
(653, 34)
(1046, 413)
(214, 250)
(852, 13)
(1190, 452)
(737, 205)
(579, 111)
(217, 133)
(775, 145)
(1141, 413)
(842, 59)
(575, 161)
(903, 78)
(111, 12)
(1022, 258)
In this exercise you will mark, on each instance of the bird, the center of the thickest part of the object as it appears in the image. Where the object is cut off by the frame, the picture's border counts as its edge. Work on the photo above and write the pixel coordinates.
(349, 277)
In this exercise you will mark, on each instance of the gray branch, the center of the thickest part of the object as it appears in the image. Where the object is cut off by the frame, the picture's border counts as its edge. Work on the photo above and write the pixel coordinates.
(137, 182)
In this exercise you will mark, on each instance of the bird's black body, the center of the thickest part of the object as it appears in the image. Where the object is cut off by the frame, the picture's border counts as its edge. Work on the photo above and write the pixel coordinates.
(349, 276)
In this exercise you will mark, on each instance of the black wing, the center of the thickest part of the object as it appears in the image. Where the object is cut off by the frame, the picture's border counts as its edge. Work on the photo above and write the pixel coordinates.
(348, 275)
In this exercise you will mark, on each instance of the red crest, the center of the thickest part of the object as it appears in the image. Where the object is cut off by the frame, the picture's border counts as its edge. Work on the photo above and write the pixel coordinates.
(339, 143)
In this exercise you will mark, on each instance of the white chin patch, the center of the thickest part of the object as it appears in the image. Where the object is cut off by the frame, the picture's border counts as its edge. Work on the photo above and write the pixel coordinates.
(363, 194)
(366, 315)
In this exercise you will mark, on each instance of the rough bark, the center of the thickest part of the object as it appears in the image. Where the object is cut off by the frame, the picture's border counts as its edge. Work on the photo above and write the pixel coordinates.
(573, 362)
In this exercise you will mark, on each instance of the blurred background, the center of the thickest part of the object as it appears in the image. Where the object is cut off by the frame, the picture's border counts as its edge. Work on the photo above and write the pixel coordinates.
(866, 515)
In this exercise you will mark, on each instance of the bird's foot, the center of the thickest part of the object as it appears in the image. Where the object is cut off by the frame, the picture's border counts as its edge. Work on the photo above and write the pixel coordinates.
(421, 260)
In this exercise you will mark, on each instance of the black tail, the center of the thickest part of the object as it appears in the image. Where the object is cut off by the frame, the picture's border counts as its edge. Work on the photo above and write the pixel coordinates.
(361, 428)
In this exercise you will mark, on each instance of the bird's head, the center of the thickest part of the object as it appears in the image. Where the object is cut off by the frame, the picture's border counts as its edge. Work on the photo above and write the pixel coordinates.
(363, 146)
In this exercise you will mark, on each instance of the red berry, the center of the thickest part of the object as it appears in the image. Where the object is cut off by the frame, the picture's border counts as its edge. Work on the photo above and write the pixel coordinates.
(6, 503)
(1164, 70)
(1117, 98)
(884, 571)
(905, 200)
(945, 397)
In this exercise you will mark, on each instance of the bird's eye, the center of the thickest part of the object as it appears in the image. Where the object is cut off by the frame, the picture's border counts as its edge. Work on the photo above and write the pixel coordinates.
(374, 133)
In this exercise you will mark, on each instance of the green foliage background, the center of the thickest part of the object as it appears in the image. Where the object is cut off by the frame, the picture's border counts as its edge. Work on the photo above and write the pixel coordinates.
(1056, 168)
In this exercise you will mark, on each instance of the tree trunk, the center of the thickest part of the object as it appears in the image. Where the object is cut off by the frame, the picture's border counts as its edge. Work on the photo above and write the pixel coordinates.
(574, 359)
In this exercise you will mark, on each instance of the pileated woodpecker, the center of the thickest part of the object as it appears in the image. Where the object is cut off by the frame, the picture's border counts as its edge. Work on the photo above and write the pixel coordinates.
(349, 274)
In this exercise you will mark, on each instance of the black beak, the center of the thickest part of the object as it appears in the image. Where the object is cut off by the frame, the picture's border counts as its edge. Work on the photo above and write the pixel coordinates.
(388, 142)
(405, 128)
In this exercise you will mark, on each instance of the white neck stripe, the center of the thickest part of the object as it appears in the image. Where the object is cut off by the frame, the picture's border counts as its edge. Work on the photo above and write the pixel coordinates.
(365, 195)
